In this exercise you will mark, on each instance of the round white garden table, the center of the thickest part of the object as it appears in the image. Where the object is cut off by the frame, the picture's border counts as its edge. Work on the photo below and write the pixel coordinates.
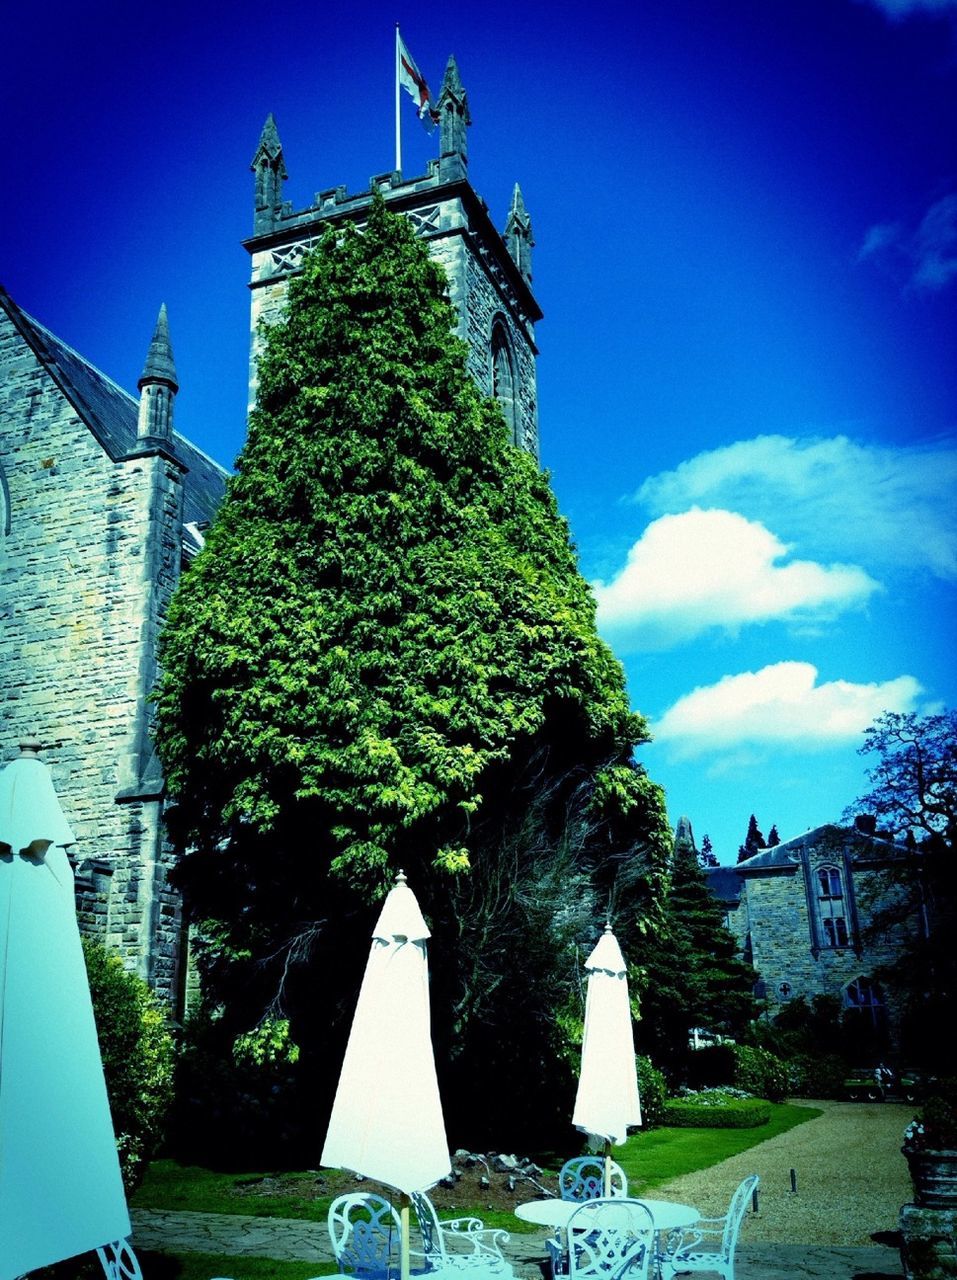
(666, 1215)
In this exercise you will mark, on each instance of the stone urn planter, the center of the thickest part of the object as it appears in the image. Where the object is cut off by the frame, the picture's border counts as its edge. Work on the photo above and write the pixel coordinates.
(929, 1225)
(934, 1175)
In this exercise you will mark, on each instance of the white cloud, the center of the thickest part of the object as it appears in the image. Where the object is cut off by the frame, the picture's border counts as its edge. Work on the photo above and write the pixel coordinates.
(903, 8)
(871, 504)
(927, 255)
(700, 570)
(782, 706)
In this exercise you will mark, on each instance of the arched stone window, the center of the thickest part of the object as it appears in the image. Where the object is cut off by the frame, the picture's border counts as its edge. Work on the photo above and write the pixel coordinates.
(832, 911)
(503, 377)
(863, 999)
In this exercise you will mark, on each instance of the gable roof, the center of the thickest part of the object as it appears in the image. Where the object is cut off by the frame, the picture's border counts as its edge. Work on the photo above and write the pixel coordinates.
(111, 413)
(786, 856)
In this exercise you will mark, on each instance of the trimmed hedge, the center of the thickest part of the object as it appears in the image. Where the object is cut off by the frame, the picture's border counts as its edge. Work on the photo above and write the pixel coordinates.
(735, 1113)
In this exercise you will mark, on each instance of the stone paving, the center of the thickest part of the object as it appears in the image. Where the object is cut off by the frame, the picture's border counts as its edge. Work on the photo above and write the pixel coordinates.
(292, 1239)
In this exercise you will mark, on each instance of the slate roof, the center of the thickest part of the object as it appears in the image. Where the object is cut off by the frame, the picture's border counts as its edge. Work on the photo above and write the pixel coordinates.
(787, 855)
(724, 883)
(111, 414)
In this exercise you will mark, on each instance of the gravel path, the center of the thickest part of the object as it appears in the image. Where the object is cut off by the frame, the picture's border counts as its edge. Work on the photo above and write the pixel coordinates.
(851, 1178)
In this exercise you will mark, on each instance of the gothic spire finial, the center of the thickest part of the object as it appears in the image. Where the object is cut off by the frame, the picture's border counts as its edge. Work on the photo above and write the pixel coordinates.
(270, 147)
(158, 387)
(454, 119)
(159, 365)
(518, 235)
(269, 167)
(452, 80)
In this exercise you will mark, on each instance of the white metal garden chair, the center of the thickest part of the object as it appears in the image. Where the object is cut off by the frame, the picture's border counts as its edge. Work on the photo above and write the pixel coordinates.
(610, 1239)
(460, 1246)
(584, 1179)
(365, 1234)
(711, 1243)
(119, 1262)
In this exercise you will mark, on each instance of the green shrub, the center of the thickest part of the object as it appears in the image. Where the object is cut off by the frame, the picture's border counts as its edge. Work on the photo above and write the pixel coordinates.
(716, 1109)
(760, 1073)
(137, 1051)
(938, 1116)
(818, 1075)
(653, 1092)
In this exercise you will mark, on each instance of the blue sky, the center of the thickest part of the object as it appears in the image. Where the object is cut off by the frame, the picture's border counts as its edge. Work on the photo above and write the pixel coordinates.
(746, 225)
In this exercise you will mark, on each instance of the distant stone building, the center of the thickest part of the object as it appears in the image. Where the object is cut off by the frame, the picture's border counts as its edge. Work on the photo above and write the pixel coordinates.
(102, 503)
(801, 910)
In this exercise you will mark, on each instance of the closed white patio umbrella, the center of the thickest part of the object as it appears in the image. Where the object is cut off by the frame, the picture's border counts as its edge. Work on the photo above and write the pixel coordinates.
(61, 1192)
(386, 1120)
(607, 1102)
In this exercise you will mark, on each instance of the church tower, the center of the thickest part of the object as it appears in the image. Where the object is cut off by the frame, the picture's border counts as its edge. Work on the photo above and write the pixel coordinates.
(489, 272)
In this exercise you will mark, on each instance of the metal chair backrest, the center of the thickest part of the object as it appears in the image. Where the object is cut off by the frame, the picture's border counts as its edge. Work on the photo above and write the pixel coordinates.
(365, 1233)
(610, 1238)
(119, 1262)
(735, 1215)
(432, 1241)
(584, 1179)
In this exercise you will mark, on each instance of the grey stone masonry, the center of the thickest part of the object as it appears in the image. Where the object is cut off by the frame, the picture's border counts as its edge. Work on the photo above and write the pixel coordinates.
(490, 291)
(781, 920)
(928, 1242)
(89, 556)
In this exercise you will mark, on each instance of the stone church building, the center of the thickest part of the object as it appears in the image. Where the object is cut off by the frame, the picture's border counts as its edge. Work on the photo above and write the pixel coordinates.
(801, 912)
(103, 502)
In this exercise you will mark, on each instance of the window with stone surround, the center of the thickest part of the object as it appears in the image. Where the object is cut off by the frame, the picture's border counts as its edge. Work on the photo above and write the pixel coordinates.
(863, 999)
(503, 377)
(831, 908)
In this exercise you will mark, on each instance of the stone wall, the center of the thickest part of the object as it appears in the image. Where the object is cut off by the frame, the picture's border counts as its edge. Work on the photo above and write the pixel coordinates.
(86, 570)
(786, 945)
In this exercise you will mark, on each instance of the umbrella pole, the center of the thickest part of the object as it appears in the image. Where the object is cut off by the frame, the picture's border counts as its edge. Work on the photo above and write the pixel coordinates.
(404, 1240)
(607, 1167)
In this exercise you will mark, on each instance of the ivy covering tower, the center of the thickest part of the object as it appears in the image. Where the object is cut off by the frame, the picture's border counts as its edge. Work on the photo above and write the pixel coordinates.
(385, 656)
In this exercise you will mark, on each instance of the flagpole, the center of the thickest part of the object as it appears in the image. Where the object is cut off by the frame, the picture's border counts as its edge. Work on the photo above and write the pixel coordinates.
(398, 135)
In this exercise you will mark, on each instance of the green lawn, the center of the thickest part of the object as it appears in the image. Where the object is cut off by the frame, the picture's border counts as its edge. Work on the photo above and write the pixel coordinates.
(170, 1185)
(649, 1159)
(652, 1158)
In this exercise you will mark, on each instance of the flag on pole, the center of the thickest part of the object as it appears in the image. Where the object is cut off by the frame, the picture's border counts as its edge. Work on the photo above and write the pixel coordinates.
(412, 80)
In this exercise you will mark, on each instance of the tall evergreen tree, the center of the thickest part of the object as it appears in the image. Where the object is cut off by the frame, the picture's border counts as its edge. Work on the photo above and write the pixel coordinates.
(707, 857)
(773, 838)
(753, 841)
(385, 657)
(695, 978)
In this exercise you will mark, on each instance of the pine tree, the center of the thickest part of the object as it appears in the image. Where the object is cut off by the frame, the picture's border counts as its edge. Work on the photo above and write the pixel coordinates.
(707, 858)
(696, 978)
(385, 656)
(773, 838)
(753, 841)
